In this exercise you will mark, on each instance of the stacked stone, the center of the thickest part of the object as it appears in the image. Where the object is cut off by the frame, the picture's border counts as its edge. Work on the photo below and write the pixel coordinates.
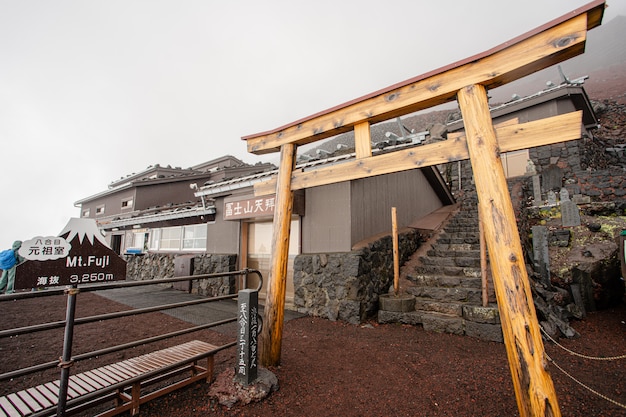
(161, 265)
(346, 286)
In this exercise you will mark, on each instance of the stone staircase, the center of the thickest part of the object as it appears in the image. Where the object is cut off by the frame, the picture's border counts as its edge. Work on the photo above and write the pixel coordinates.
(446, 283)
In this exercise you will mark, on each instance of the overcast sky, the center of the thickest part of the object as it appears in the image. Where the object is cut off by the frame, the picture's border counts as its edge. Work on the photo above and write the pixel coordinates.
(91, 91)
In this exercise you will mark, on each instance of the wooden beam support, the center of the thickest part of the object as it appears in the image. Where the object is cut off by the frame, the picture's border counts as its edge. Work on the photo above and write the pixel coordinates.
(274, 315)
(510, 138)
(559, 40)
(483, 263)
(362, 140)
(533, 385)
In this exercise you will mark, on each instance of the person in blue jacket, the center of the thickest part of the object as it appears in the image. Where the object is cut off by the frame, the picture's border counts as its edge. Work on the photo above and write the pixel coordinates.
(7, 281)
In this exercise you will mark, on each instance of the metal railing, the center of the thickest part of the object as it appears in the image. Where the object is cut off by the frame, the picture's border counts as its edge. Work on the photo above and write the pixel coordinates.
(66, 360)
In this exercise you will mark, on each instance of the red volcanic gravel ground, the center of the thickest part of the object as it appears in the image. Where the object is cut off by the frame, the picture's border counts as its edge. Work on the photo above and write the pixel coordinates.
(333, 368)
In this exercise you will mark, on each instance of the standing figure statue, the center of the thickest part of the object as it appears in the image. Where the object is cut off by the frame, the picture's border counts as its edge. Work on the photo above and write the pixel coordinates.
(9, 260)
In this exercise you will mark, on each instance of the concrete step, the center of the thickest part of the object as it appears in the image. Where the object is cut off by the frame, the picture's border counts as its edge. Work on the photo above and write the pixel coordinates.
(451, 228)
(443, 323)
(452, 253)
(447, 270)
(458, 238)
(459, 234)
(467, 213)
(466, 216)
(429, 305)
(436, 261)
(456, 247)
(445, 281)
(469, 312)
(448, 294)
(462, 261)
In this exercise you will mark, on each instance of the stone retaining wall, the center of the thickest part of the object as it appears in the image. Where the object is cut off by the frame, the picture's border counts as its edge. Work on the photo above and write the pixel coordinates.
(161, 265)
(345, 286)
(608, 184)
(604, 185)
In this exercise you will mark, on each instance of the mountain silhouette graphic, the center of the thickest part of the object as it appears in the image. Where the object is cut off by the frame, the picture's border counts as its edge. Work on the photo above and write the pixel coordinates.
(90, 261)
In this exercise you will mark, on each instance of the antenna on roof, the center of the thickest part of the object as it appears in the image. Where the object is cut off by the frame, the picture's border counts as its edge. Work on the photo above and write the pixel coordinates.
(563, 76)
(577, 81)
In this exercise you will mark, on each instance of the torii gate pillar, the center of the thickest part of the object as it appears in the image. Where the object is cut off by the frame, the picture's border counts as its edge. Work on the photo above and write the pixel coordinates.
(522, 337)
(272, 330)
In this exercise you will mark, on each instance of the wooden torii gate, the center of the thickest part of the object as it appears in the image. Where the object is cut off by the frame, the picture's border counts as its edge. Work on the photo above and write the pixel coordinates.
(467, 81)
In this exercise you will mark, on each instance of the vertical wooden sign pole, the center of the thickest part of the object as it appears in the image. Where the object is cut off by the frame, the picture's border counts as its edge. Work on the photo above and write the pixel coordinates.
(396, 255)
(533, 385)
(274, 313)
(483, 262)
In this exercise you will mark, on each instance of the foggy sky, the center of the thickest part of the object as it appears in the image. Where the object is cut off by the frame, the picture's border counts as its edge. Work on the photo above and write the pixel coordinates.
(91, 91)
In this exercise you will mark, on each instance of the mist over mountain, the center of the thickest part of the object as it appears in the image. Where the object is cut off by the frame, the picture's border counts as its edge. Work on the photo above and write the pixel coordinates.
(604, 61)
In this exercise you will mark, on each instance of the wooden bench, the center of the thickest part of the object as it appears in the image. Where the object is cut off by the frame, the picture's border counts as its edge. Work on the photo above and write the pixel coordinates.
(123, 382)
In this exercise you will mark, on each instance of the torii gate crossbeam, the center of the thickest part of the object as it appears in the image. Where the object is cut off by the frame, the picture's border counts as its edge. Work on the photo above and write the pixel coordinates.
(467, 80)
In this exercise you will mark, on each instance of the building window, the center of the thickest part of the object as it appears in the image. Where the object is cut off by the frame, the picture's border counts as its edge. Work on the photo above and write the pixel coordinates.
(155, 239)
(170, 238)
(194, 236)
(127, 204)
(100, 210)
(140, 241)
(86, 213)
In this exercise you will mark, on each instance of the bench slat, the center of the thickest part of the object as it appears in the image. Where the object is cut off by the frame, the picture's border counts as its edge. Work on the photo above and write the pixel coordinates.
(172, 354)
(155, 363)
(170, 357)
(137, 364)
(50, 395)
(8, 409)
(88, 381)
(127, 369)
(76, 386)
(57, 386)
(41, 399)
(147, 365)
(19, 404)
(102, 382)
(137, 369)
(121, 371)
(77, 382)
(29, 400)
(110, 377)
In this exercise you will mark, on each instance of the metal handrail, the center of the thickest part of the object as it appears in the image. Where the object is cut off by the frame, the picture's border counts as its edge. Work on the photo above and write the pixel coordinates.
(124, 284)
(96, 287)
(108, 316)
(112, 349)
